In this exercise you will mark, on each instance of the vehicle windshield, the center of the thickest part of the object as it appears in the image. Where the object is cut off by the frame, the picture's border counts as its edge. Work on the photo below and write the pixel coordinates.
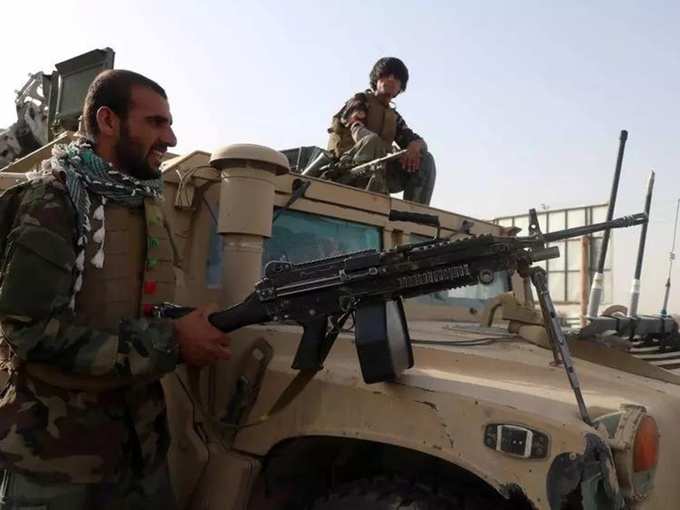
(302, 237)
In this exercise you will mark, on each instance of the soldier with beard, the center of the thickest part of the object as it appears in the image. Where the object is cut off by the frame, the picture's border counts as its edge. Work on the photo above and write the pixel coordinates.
(86, 258)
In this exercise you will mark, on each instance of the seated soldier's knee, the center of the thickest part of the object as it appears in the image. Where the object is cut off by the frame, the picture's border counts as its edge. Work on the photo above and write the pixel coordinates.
(372, 140)
(368, 148)
(428, 158)
(427, 164)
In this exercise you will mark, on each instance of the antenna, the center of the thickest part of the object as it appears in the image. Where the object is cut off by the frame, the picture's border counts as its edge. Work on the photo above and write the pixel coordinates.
(598, 278)
(664, 308)
(635, 289)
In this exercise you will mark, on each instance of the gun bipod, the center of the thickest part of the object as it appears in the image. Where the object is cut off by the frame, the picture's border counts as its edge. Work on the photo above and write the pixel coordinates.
(557, 339)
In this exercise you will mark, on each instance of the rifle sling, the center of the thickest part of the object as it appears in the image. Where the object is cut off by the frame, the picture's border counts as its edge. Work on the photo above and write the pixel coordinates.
(290, 393)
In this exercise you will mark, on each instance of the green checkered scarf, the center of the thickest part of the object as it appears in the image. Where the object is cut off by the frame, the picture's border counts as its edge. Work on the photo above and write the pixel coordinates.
(90, 182)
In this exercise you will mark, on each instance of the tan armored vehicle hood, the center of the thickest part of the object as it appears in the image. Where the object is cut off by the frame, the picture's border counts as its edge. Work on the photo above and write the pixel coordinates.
(442, 404)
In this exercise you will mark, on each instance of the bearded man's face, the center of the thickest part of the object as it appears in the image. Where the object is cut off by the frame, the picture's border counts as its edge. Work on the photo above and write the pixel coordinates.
(145, 134)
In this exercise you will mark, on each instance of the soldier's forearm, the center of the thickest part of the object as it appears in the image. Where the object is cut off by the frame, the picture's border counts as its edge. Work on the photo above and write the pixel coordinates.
(142, 347)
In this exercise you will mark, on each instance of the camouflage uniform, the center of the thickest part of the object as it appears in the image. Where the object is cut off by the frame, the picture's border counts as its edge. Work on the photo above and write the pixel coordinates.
(80, 448)
(151, 492)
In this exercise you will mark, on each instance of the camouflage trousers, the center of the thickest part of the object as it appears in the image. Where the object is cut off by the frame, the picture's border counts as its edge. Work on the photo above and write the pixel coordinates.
(417, 186)
(153, 492)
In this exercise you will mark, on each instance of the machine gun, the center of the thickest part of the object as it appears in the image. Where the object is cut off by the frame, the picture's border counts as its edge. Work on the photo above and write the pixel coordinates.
(369, 285)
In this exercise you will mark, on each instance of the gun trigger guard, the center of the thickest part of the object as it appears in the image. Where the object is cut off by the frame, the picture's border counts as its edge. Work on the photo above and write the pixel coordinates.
(347, 303)
(309, 354)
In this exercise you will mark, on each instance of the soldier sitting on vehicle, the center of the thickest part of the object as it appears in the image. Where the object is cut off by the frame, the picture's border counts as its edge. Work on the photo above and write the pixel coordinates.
(368, 127)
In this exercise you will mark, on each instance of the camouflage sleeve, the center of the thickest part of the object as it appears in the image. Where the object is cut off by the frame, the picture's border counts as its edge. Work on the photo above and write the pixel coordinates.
(357, 103)
(35, 291)
(405, 135)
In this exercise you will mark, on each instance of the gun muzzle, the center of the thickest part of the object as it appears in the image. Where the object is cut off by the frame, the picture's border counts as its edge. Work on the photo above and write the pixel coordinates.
(630, 221)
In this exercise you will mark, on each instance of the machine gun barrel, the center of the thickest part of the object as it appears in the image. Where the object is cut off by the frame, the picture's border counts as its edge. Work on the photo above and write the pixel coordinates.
(623, 221)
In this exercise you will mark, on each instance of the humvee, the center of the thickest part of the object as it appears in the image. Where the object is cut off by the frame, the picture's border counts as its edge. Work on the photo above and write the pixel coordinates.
(484, 420)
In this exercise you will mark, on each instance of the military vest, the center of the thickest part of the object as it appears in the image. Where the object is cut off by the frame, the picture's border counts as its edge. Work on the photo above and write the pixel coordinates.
(138, 271)
(380, 118)
(138, 267)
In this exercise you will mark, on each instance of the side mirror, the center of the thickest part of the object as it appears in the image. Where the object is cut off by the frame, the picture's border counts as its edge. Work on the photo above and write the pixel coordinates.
(382, 340)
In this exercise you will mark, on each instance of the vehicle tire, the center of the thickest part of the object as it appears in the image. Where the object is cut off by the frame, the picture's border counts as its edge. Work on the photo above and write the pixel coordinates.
(387, 494)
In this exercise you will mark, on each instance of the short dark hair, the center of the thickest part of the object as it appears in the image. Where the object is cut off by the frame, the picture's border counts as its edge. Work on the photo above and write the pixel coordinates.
(113, 88)
(386, 66)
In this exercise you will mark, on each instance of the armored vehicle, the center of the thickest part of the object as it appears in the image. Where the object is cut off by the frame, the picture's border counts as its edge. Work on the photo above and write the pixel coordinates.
(483, 420)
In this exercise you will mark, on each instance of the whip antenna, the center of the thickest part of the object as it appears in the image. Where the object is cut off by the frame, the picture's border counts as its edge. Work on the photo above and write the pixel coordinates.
(671, 258)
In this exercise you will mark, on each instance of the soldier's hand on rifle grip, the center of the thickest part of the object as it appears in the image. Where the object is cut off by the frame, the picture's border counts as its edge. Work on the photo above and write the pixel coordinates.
(200, 343)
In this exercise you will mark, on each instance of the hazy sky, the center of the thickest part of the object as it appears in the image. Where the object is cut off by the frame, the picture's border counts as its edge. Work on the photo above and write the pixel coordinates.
(521, 102)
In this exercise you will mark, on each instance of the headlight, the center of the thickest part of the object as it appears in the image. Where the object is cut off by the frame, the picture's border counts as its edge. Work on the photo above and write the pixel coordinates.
(634, 440)
(646, 446)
